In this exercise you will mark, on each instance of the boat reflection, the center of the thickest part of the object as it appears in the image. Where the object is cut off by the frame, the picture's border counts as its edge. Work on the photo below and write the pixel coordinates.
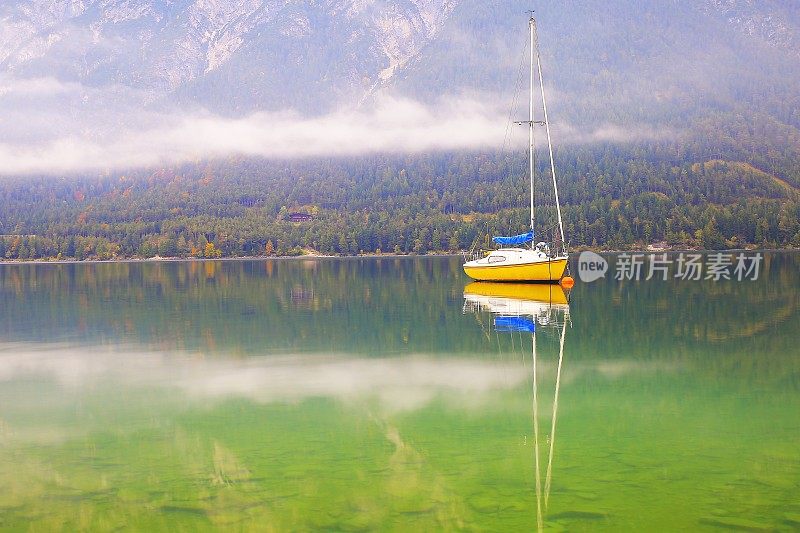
(543, 303)
(538, 310)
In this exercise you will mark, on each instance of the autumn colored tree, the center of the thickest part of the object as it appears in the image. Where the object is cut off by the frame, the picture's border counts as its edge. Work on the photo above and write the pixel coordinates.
(211, 251)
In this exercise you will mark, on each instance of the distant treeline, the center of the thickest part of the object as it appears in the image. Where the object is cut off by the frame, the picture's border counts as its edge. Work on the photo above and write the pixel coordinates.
(613, 196)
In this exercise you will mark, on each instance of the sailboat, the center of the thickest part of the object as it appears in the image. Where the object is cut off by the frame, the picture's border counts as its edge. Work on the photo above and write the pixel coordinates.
(541, 262)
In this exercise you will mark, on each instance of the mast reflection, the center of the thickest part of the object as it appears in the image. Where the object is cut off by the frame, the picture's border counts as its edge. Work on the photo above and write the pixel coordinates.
(526, 308)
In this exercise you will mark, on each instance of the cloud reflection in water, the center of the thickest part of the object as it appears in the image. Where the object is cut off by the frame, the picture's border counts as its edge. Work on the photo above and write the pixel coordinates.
(399, 383)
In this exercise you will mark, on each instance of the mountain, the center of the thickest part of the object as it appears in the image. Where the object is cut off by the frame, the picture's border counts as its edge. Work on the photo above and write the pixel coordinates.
(237, 57)
(230, 56)
(622, 60)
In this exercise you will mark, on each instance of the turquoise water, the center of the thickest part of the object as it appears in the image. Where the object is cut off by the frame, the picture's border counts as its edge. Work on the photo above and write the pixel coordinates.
(368, 394)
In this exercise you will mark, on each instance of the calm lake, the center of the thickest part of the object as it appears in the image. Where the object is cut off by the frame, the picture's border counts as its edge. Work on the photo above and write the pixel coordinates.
(364, 394)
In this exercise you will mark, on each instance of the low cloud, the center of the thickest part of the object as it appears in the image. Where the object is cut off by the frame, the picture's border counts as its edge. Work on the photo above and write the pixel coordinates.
(29, 87)
(391, 125)
(54, 127)
(614, 133)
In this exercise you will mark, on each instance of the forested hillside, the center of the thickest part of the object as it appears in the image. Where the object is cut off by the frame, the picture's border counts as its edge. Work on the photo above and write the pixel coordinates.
(614, 197)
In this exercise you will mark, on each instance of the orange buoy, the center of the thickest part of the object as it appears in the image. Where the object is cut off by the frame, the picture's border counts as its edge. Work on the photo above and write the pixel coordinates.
(567, 282)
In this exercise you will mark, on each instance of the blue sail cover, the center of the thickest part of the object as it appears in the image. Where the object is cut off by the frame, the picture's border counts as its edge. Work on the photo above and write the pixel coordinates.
(510, 324)
(516, 239)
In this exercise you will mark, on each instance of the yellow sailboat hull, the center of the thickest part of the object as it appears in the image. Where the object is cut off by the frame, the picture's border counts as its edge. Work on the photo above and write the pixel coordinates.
(548, 271)
(550, 293)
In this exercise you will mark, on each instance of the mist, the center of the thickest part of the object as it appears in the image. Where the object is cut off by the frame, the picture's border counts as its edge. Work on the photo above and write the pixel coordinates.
(50, 127)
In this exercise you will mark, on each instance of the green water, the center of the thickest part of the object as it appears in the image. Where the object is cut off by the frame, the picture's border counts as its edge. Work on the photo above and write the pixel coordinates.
(362, 395)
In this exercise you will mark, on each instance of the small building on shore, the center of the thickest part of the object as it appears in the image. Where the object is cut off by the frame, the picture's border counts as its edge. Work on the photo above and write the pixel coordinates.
(299, 217)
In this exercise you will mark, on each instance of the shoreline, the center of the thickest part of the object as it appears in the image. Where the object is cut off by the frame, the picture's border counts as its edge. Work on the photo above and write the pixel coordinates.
(362, 256)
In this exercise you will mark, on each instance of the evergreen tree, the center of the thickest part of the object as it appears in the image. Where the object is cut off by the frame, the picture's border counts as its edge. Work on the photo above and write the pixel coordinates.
(711, 238)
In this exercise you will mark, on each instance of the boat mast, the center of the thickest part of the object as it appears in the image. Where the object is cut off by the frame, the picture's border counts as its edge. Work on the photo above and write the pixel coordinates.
(531, 148)
(535, 46)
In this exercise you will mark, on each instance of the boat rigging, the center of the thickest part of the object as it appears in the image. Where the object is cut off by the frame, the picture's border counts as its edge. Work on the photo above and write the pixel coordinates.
(542, 261)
